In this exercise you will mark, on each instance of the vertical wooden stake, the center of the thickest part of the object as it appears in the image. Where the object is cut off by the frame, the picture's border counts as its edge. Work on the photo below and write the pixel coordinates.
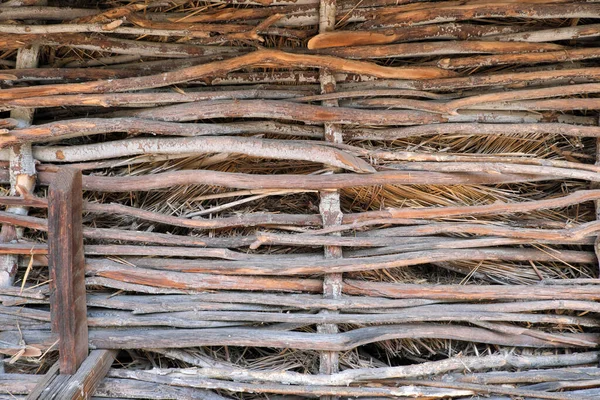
(595, 185)
(330, 200)
(67, 268)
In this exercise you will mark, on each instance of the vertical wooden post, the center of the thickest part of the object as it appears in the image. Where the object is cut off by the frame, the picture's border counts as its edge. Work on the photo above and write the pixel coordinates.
(67, 268)
(329, 206)
(595, 185)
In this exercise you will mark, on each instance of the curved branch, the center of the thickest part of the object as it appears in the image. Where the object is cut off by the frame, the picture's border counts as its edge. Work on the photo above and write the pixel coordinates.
(272, 58)
(265, 148)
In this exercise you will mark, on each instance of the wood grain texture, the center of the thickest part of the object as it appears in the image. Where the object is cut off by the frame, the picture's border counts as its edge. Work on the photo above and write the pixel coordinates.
(67, 268)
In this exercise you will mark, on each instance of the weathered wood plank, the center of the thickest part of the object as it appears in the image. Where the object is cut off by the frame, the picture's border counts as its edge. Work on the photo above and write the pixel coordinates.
(67, 268)
(83, 383)
(44, 382)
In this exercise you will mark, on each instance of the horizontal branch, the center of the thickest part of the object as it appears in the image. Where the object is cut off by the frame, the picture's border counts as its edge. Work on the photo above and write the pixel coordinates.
(179, 283)
(425, 369)
(179, 249)
(235, 300)
(512, 79)
(180, 338)
(264, 148)
(281, 110)
(45, 13)
(389, 237)
(200, 318)
(565, 55)
(470, 292)
(490, 229)
(496, 167)
(95, 126)
(481, 11)
(132, 250)
(142, 99)
(17, 384)
(309, 265)
(415, 156)
(430, 49)
(175, 379)
(272, 58)
(101, 43)
(550, 35)
(568, 104)
(351, 221)
(343, 38)
(478, 129)
(288, 181)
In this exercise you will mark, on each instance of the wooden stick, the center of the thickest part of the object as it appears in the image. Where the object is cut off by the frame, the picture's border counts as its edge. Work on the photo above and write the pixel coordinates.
(44, 13)
(247, 220)
(572, 234)
(351, 221)
(429, 49)
(310, 390)
(98, 42)
(452, 157)
(265, 148)
(566, 55)
(471, 292)
(520, 79)
(180, 338)
(289, 181)
(199, 318)
(473, 129)
(310, 265)
(256, 58)
(17, 384)
(458, 166)
(488, 389)
(199, 282)
(342, 38)
(235, 300)
(540, 105)
(142, 99)
(425, 369)
(550, 35)
(597, 203)
(129, 250)
(95, 126)
(282, 110)
(467, 12)
(532, 376)
(329, 205)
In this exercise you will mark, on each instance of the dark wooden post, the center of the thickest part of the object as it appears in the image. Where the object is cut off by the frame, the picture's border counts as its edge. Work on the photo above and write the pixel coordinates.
(67, 269)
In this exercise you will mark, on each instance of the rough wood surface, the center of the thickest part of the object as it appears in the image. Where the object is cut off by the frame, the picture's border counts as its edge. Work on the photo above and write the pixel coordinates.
(442, 153)
(67, 266)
